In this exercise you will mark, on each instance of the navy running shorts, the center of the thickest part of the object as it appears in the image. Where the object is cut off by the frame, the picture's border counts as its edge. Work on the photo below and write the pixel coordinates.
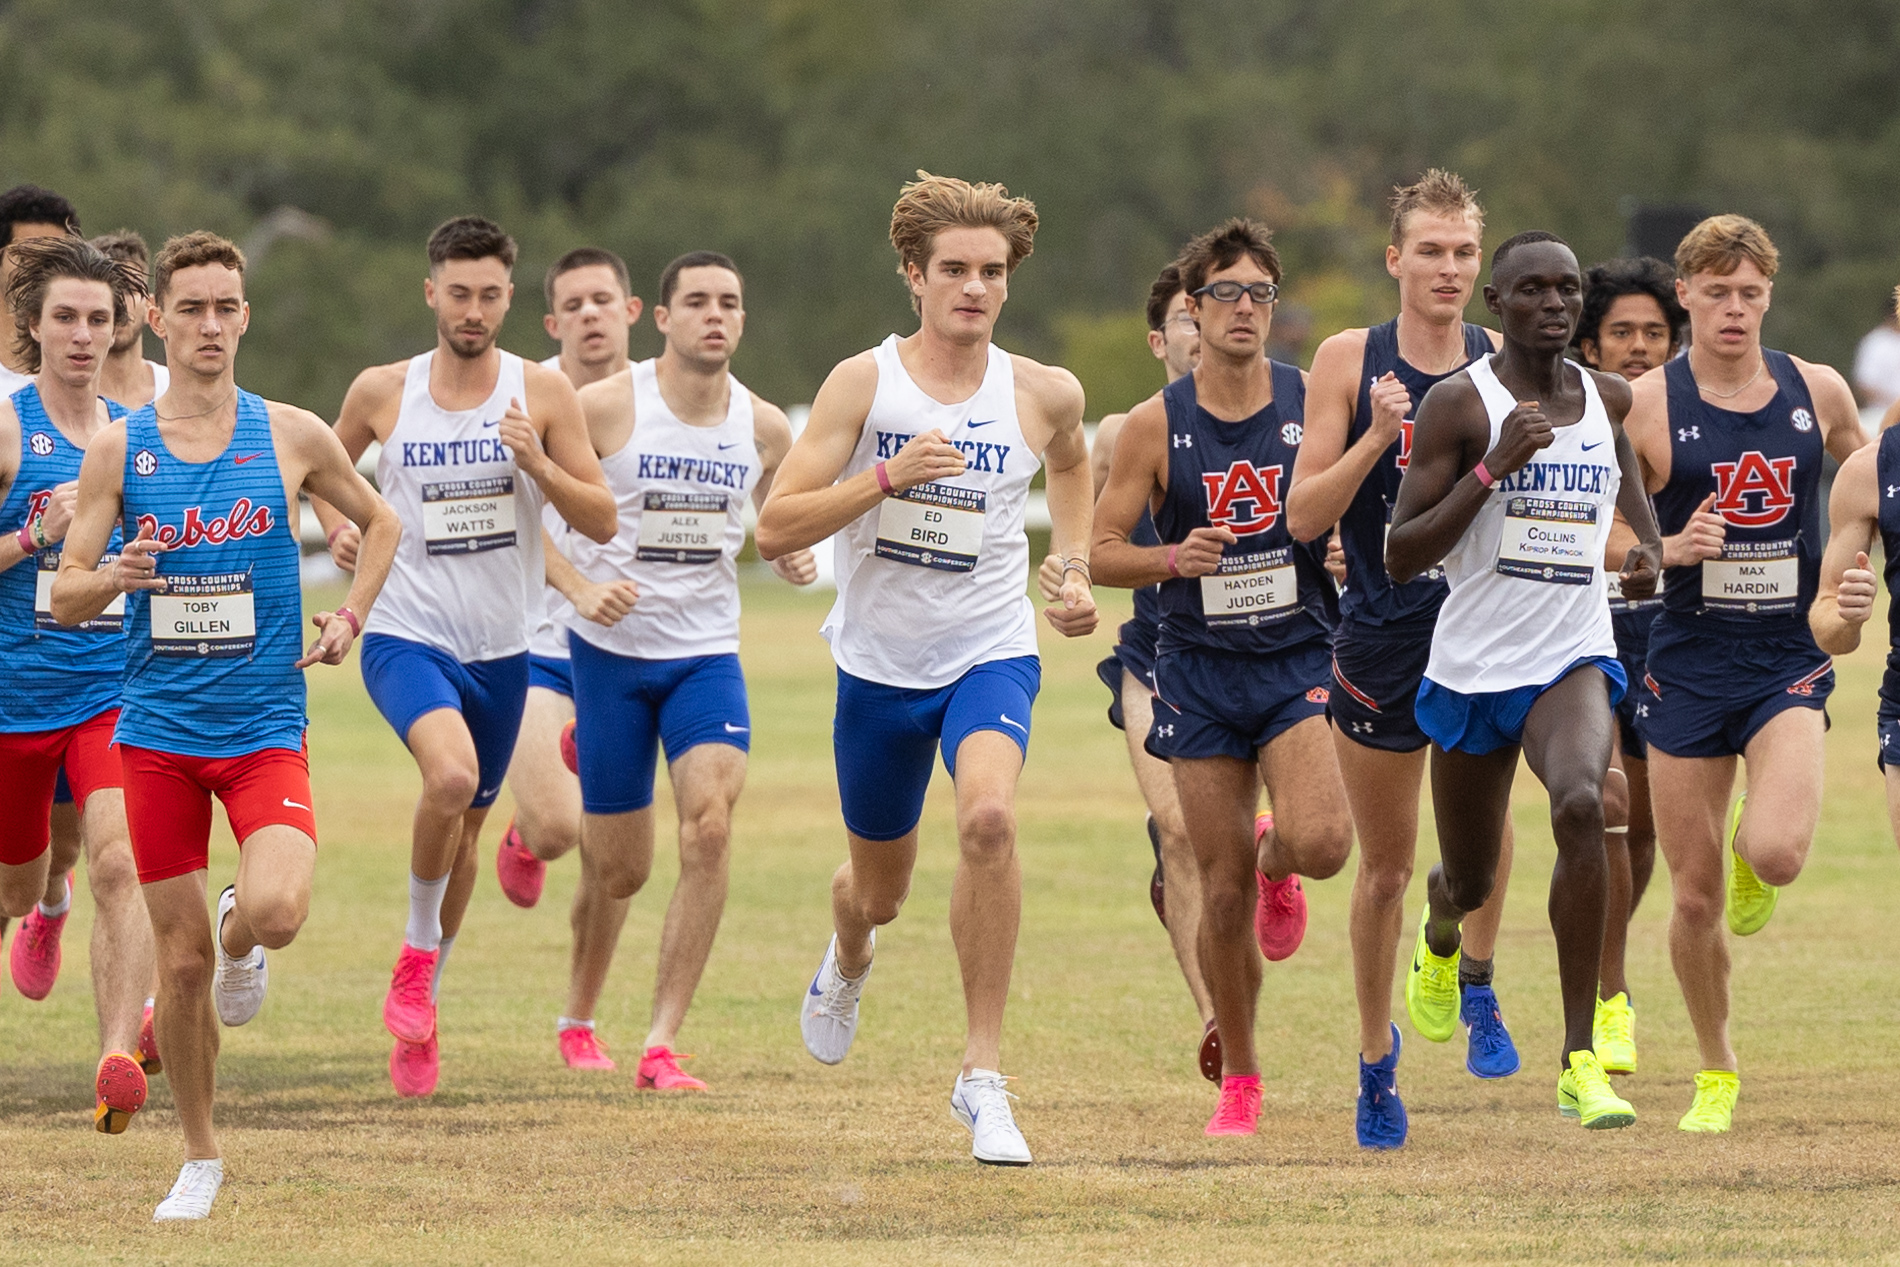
(885, 738)
(1632, 652)
(408, 679)
(1376, 673)
(1484, 721)
(1707, 694)
(1213, 705)
(626, 709)
(1134, 653)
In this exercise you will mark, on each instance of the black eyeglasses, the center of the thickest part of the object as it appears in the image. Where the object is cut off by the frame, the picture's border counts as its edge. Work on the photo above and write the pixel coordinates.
(1229, 292)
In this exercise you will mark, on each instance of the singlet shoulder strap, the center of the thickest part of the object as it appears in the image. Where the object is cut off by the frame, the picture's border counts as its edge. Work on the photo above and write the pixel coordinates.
(1179, 400)
(1477, 341)
(1289, 389)
(1785, 372)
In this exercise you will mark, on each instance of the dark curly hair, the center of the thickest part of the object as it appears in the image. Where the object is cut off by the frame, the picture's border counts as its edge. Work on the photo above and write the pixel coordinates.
(1606, 283)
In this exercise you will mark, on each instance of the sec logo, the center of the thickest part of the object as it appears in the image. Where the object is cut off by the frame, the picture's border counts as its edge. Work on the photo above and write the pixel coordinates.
(1292, 433)
(41, 444)
(1803, 421)
(145, 462)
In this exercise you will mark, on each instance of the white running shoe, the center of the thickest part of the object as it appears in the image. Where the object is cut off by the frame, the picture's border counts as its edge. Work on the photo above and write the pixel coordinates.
(238, 985)
(192, 1195)
(981, 1102)
(828, 1014)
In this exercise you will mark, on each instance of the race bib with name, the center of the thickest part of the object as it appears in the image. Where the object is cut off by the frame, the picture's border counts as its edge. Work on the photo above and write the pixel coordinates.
(1549, 540)
(109, 621)
(469, 516)
(682, 528)
(1756, 578)
(933, 526)
(1250, 589)
(209, 617)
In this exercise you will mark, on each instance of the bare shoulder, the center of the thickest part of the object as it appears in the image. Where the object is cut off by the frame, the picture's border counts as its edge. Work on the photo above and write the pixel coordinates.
(1455, 393)
(1339, 356)
(109, 443)
(1862, 465)
(543, 383)
(1496, 337)
(1107, 431)
(769, 421)
(380, 382)
(1650, 392)
(297, 429)
(1055, 390)
(1615, 390)
(1146, 421)
(1823, 379)
(610, 395)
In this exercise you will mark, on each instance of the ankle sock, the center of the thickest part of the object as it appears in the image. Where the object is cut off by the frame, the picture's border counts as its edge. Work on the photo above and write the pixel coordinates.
(425, 912)
(1474, 971)
(65, 903)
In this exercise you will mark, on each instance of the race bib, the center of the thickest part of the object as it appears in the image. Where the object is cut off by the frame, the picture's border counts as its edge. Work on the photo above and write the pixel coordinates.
(682, 528)
(208, 617)
(1250, 589)
(1613, 589)
(469, 516)
(111, 620)
(1549, 540)
(1756, 578)
(933, 526)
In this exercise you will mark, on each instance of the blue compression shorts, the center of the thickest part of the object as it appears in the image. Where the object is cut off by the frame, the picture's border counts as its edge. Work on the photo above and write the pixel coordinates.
(625, 709)
(407, 680)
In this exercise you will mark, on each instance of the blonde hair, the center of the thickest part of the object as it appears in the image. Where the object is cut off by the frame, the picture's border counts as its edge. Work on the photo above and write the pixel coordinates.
(1720, 244)
(930, 204)
(1437, 192)
(189, 250)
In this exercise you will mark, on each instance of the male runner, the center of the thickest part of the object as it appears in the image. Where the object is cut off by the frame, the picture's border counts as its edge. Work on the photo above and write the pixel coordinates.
(919, 454)
(61, 687)
(129, 378)
(1366, 383)
(1732, 437)
(1519, 462)
(445, 657)
(591, 308)
(1129, 674)
(1247, 616)
(26, 212)
(213, 696)
(682, 444)
(1631, 323)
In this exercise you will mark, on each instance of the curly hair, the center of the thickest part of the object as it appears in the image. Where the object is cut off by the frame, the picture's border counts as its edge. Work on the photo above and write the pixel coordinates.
(1606, 283)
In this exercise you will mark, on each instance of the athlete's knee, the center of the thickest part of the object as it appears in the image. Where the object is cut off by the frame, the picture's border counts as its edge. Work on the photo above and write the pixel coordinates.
(1321, 850)
(1227, 903)
(550, 841)
(275, 917)
(1616, 799)
(1576, 814)
(705, 838)
(1468, 889)
(1697, 905)
(1382, 881)
(1777, 861)
(621, 873)
(986, 831)
(113, 876)
(186, 965)
(450, 787)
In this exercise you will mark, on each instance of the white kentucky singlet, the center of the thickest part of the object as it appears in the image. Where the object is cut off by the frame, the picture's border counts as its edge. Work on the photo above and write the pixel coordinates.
(681, 491)
(468, 572)
(1527, 587)
(12, 381)
(933, 582)
(548, 638)
(161, 378)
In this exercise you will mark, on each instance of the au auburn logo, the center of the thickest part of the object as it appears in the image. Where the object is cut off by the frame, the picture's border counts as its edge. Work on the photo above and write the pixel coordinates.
(1244, 499)
(1754, 491)
(1405, 444)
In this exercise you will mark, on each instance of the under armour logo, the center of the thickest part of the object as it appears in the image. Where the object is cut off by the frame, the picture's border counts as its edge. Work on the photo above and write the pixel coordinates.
(1183, 442)
(1165, 732)
(1686, 434)
(1892, 489)
(1642, 710)
(1362, 728)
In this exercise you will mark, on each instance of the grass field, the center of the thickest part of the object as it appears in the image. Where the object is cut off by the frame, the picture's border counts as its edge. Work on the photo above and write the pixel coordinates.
(518, 1159)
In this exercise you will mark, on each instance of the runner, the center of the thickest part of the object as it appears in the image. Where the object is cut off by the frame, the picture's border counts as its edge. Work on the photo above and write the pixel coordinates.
(1366, 383)
(1631, 323)
(445, 657)
(683, 442)
(129, 378)
(1247, 616)
(1129, 675)
(1523, 660)
(27, 212)
(590, 311)
(1732, 437)
(919, 454)
(61, 696)
(213, 696)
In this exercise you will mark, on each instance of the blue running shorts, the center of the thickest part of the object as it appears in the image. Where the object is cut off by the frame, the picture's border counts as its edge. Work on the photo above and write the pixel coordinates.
(1135, 654)
(625, 709)
(551, 673)
(1213, 705)
(1708, 694)
(1485, 721)
(885, 737)
(407, 679)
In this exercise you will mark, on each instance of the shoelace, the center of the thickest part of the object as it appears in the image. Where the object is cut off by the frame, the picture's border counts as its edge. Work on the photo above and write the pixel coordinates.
(1617, 1026)
(1238, 1104)
(984, 1094)
(1280, 896)
(414, 977)
(195, 1182)
(1487, 1031)
(1748, 886)
(838, 1001)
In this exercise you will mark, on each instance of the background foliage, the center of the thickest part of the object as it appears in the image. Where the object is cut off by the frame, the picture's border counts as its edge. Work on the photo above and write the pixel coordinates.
(331, 135)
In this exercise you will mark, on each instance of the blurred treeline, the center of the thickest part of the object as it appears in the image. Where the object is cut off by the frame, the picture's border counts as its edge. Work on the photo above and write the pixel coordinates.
(331, 135)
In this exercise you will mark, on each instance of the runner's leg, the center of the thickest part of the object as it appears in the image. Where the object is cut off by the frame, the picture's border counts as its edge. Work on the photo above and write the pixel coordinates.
(1180, 873)
(707, 779)
(1691, 801)
(986, 897)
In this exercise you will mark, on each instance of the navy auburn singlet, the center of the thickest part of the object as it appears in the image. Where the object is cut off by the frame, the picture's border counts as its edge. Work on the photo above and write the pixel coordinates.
(1765, 469)
(1271, 591)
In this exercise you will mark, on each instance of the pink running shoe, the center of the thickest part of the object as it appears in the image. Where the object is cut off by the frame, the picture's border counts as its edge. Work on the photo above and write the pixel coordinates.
(582, 1049)
(1239, 1105)
(570, 751)
(660, 1071)
(1279, 918)
(120, 1090)
(408, 1009)
(521, 873)
(35, 957)
(147, 1054)
(414, 1067)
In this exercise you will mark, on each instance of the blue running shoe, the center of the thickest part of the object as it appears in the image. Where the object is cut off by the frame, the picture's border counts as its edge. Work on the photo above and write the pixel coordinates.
(1491, 1054)
(1382, 1121)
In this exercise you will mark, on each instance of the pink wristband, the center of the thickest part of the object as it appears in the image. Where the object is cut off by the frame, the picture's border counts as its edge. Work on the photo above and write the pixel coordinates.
(884, 480)
(1484, 476)
(356, 626)
(331, 539)
(1172, 570)
(26, 538)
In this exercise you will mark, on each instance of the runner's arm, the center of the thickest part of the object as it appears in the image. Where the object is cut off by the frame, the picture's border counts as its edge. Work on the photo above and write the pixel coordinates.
(547, 434)
(605, 603)
(1845, 601)
(1327, 472)
(1839, 414)
(772, 436)
(1070, 488)
(1440, 494)
(330, 474)
(83, 589)
(1137, 475)
(1641, 567)
(375, 395)
(11, 552)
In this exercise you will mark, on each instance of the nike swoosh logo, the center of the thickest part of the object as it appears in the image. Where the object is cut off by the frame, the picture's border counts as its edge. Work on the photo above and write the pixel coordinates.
(733, 445)
(1597, 445)
(974, 425)
(495, 423)
(293, 805)
(736, 730)
(1416, 965)
(490, 791)
(246, 458)
(815, 991)
(1007, 720)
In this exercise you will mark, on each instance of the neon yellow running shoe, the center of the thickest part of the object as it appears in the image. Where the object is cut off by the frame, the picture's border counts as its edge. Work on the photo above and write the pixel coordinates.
(1712, 1111)
(1613, 1033)
(1583, 1092)
(1431, 989)
(1750, 902)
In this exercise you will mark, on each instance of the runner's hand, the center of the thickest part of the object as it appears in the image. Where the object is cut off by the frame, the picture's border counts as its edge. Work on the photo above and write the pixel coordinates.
(1049, 577)
(1073, 614)
(523, 442)
(1199, 555)
(1701, 538)
(1336, 558)
(1642, 568)
(923, 459)
(1390, 403)
(58, 515)
(1856, 593)
(1523, 432)
(137, 565)
(343, 545)
(606, 602)
(332, 644)
(800, 567)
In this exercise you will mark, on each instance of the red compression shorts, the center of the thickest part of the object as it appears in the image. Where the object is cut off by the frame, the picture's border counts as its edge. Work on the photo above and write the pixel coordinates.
(29, 769)
(168, 803)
